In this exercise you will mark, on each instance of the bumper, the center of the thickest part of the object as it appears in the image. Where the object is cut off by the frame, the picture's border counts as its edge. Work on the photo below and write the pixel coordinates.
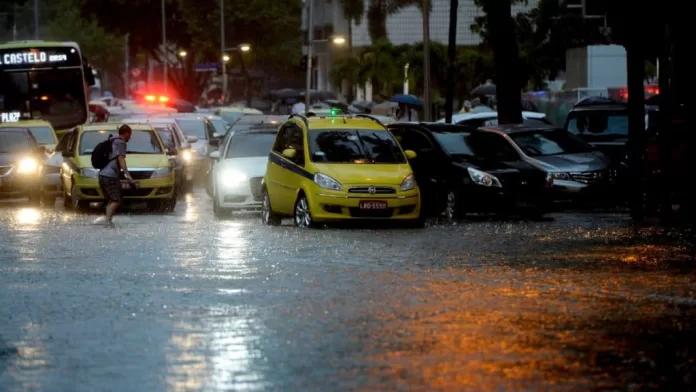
(153, 189)
(52, 184)
(489, 200)
(327, 206)
(245, 195)
(572, 191)
(15, 185)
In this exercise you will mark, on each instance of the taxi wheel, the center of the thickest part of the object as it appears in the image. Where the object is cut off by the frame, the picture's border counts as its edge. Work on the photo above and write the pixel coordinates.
(268, 217)
(452, 206)
(75, 203)
(35, 197)
(303, 216)
(48, 201)
(170, 205)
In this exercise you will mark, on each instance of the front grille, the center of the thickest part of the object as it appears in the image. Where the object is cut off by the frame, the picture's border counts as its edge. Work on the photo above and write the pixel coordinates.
(141, 174)
(138, 192)
(4, 170)
(255, 185)
(373, 190)
(360, 213)
(595, 177)
(50, 170)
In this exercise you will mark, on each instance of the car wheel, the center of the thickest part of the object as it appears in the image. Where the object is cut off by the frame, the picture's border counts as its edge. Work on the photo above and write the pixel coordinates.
(48, 200)
(66, 199)
(268, 217)
(302, 215)
(75, 203)
(170, 205)
(35, 197)
(218, 211)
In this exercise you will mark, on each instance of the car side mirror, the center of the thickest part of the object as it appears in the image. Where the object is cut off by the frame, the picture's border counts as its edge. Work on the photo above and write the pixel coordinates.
(214, 142)
(214, 155)
(290, 153)
(68, 154)
(410, 154)
(191, 139)
(217, 135)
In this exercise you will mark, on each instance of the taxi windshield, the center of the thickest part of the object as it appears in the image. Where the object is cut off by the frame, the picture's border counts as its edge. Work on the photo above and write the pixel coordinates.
(11, 142)
(141, 142)
(43, 135)
(354, 146)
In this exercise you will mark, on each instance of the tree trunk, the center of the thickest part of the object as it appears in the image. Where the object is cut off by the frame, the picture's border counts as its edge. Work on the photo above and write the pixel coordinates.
(377, 21)
(503, 41)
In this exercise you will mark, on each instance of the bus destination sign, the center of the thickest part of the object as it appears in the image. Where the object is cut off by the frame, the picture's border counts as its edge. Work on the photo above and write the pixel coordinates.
(39, 57)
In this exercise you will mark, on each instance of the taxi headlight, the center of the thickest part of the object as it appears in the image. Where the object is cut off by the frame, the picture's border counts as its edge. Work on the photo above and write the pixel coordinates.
(27, 166)
(231, 178)
(187, 155)
(327, 182)
(89, 172)
(408, 183)
(161, 172)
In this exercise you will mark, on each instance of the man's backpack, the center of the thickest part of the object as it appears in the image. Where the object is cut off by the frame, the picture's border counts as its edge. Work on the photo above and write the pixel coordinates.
(101, 153)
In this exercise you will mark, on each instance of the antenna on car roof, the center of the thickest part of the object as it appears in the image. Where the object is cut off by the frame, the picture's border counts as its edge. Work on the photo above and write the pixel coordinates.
(301, 117)
(369, 117)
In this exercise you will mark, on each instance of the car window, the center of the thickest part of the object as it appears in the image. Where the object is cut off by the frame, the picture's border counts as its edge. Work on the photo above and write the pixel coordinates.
(141, 142)
(43, 135)
(281, 141)
(550, 143)
(417, 142)
(598, 122)
(247, 145)
(219, 125)
(491, 146)
(14, 141)
(193, 127)
(354, 146)
(64, 141)
(455, 143)
(167, 136)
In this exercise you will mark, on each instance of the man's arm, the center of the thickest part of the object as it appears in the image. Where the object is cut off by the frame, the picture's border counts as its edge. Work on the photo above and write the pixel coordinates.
(122, 149)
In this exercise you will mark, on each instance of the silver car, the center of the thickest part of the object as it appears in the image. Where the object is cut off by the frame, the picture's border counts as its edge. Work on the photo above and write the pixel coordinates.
(574, 168)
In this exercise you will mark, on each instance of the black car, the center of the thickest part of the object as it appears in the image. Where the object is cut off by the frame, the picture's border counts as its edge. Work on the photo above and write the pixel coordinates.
(21, 162)
(459, 171)
(603, 123)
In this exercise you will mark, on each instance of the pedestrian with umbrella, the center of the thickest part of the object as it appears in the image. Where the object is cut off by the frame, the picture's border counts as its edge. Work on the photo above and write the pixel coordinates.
(407, 107)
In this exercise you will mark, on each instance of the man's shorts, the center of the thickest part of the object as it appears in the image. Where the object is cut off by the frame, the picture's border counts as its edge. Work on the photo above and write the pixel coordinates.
(111, 188)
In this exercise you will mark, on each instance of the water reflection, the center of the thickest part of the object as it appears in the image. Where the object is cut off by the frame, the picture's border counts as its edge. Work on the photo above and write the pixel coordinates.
(233, 252)
(27, 217)
(30, 363)
(192, 213)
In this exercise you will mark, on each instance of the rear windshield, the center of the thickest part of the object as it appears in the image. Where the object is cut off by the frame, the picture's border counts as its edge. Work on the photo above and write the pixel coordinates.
(547, 143)
(43, 135)
(141, 142)
(249, 145)
(599, 122)
(193, 127)
(454, 143)
(354, 146)
(14, 142)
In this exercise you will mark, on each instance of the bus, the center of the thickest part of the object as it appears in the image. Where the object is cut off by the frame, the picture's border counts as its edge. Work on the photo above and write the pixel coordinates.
(42, 80)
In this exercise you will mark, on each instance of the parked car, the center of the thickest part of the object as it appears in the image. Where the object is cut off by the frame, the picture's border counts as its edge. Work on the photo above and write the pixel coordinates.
(21, 164)
(481, 119)
(458, 173)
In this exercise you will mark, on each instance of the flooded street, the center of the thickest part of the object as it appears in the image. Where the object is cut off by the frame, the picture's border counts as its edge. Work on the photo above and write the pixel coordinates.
(184, 302)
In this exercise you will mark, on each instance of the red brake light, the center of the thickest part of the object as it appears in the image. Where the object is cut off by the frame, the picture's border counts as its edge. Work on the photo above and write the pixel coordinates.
(164, 99)
(150, 98)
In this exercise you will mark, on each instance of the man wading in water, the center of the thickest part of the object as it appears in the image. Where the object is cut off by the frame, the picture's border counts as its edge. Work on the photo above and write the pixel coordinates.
(110, 176)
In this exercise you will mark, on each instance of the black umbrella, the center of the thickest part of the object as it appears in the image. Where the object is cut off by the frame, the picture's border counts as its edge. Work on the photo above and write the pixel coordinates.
(484, 89)
(285, 93)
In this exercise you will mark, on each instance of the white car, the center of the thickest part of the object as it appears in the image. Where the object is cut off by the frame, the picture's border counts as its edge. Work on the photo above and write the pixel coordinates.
(239, 167)
(480, 119)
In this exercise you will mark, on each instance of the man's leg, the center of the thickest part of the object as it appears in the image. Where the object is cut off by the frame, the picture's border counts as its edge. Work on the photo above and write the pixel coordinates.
(111, 209)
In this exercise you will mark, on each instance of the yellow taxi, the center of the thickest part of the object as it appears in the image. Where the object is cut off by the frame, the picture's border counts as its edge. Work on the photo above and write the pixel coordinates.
(329, 169)
(43, 132)
(147, 161)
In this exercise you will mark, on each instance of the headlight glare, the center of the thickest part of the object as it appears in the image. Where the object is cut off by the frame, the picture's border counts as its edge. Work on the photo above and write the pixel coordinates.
(482, 178)
(408, 183)
(327, 182)
(28, 166)
(232, 177)
(89, 172)
(161, 172)
(187, 155)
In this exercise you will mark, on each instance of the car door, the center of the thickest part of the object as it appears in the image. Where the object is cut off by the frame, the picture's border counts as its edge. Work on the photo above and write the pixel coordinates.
(278, 173)
(64, 147)
(427, 166)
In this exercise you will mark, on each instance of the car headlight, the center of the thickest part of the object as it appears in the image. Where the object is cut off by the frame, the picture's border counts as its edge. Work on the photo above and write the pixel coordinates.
(27, 166)
(232, 177)
(89, 172)
(327, 182)
(161, 172)
(482, 178)
(408, 183)
(561, 176)
(187, 155)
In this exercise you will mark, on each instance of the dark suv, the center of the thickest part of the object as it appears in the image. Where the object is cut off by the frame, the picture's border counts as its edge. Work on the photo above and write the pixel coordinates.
(603, 123)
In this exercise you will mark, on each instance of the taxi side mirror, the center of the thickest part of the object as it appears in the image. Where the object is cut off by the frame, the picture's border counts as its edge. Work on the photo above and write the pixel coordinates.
(410, 154)
(290, 153)
(214, 155)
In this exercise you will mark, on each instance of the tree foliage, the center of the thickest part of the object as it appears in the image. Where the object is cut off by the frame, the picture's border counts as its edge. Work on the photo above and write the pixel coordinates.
(379, 10)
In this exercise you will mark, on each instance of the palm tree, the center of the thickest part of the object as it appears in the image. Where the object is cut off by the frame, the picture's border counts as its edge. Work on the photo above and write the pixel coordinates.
(379, 10)
(381, 65)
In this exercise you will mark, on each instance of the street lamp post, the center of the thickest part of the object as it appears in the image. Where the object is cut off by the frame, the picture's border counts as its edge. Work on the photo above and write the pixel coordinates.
(336, 40)
(36, 19)
(224, 58)
(310, 38)
(164, 47)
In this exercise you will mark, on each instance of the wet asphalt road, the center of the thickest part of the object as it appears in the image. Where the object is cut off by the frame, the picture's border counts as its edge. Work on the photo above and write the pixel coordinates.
(184, 302)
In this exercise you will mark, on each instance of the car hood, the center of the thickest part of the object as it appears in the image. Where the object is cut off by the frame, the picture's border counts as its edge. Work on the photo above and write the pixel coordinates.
(7, 159)
(251, 167)
(366, 174)
(134, 161)
(589, 161)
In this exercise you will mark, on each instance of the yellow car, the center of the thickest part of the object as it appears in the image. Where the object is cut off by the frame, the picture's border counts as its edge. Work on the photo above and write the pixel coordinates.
(43, 132)
(147, 162)
(329, 169)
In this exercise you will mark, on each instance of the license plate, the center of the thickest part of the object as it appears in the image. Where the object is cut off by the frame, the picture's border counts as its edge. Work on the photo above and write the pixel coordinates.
(373, 205)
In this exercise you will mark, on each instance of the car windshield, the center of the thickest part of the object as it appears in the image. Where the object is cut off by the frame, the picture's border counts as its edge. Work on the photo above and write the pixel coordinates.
(247, 145)
(141, 142)
(11, 142)
(43, 135)
(231, 117)
(454, 143)
(354, 146)
(599, 123)
(220, 125)
(544, 143)
(193, 127)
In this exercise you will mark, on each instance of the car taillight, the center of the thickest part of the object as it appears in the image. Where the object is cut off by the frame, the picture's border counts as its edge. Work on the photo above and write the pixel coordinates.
(652, 153)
